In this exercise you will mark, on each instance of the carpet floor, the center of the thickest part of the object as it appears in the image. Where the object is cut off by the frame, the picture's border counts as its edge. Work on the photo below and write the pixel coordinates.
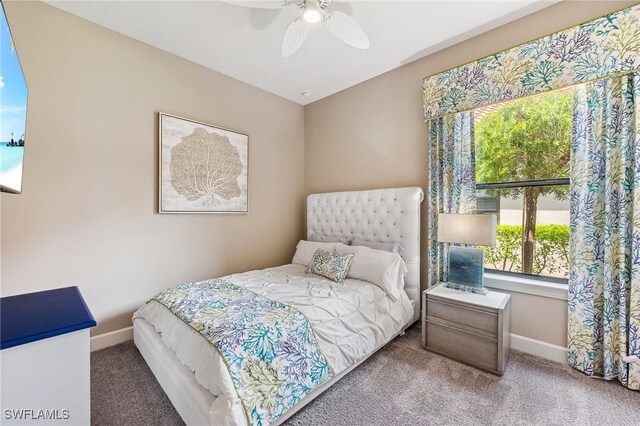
(402, 384)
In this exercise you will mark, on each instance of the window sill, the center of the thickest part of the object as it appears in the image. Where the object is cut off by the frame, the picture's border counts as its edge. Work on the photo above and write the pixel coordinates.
(526, 285)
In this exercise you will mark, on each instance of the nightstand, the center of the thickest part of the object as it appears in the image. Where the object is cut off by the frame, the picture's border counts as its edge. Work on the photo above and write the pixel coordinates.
(468, 327)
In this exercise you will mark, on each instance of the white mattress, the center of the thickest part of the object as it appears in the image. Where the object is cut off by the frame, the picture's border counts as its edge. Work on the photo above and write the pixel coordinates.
(350, 321)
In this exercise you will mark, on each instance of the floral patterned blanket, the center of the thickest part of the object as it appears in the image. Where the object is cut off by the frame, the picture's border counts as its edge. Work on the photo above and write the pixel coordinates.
(269, 347)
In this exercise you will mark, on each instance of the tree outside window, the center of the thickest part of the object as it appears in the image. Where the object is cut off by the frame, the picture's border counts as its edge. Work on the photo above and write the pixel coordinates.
(523, 153)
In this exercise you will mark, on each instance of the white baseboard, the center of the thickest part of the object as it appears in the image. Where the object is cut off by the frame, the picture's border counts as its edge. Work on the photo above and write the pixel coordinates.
(111, 338)
(537, 347)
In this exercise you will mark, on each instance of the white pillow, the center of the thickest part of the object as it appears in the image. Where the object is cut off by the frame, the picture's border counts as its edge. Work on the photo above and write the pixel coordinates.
(306, 249)
(384, 269)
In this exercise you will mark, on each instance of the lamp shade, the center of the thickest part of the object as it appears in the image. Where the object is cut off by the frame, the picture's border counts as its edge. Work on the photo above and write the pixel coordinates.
(477, 229)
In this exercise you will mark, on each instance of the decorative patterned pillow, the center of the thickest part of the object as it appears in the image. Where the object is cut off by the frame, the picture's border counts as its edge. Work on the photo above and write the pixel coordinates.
(330, 264)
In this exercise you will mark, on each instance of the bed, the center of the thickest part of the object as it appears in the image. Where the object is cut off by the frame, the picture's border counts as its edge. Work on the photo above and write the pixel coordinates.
(350, 321)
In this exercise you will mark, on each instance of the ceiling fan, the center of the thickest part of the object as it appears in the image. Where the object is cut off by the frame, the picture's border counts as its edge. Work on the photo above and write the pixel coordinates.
(339, 24)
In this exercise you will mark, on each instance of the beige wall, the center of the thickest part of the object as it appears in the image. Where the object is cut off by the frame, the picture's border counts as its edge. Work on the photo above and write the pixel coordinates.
(372, 135)
(87, 215)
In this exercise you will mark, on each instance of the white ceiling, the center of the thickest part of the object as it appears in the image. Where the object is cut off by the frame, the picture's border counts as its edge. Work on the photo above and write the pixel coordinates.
(244, 43)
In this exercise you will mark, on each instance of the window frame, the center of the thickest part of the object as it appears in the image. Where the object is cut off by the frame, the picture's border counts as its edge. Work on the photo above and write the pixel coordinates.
(523, 184)
(526, 285)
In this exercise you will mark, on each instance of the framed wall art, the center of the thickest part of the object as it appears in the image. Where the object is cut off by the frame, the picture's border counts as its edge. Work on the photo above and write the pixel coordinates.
(203, 168)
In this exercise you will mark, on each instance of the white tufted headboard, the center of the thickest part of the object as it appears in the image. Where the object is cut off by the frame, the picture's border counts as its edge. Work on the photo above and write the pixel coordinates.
(385, 215)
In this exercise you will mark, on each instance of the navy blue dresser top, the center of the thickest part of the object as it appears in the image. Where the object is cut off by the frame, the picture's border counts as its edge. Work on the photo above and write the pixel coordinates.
(26, 318)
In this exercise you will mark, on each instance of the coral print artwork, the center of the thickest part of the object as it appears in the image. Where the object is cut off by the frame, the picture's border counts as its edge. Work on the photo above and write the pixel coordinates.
(203, 168)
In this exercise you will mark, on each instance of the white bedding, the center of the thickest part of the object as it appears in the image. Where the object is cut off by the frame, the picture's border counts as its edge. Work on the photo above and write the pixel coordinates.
(350, 321)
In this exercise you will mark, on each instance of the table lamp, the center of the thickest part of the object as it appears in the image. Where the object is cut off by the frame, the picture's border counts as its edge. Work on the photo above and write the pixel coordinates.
(466, 264)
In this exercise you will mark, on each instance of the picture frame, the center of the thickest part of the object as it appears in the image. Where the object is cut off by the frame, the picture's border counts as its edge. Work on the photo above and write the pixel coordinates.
(202, 168)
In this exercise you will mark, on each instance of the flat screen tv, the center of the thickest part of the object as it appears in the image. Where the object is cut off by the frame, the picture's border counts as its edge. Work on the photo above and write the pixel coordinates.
(13, 111)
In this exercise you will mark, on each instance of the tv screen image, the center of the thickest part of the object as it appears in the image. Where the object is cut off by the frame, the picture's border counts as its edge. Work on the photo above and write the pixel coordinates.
(13, 111)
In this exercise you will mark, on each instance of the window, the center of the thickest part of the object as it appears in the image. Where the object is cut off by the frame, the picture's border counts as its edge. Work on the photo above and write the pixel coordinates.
(522, 175)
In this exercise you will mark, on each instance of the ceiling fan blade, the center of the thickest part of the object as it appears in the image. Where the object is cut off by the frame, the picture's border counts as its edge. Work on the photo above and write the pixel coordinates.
(258, 4)
(294, 36)
(343, 27)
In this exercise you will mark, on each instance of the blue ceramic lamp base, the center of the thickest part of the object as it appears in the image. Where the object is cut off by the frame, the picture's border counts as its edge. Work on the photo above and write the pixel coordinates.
(466, 269)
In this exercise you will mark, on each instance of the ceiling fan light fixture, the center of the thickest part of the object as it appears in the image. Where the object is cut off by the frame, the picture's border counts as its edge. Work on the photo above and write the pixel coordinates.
(339, 24)
(312, 13)
(312, 16)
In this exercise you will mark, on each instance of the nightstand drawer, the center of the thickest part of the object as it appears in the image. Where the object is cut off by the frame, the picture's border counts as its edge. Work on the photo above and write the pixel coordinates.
(463, 346)
(455, 313)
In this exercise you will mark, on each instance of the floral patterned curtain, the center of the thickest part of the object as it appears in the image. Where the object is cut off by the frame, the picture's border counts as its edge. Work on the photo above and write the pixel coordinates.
(452, 181)
(604, 275)
(587, 52)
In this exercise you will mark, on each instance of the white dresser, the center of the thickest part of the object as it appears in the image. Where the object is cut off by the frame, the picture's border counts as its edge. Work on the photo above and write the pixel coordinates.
(44, 358)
